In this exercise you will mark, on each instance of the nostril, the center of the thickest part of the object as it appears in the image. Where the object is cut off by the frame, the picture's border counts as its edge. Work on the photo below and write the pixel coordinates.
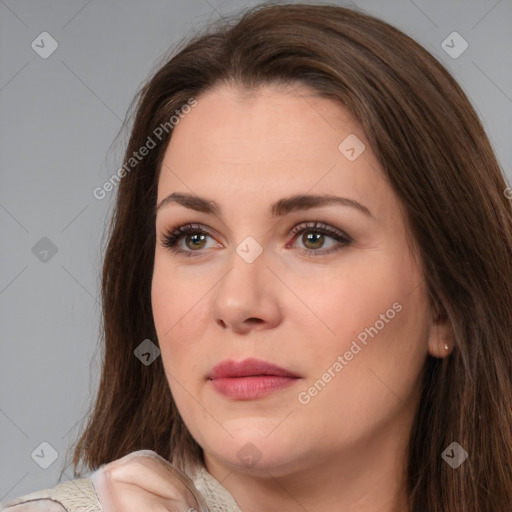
(254, 320)
(222, 323)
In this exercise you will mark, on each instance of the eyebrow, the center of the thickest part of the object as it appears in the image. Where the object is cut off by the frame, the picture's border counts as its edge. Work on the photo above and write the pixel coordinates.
(278, 209)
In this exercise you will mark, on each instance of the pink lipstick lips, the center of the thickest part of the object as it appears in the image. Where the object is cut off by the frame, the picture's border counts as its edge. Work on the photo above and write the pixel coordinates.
(249, 379)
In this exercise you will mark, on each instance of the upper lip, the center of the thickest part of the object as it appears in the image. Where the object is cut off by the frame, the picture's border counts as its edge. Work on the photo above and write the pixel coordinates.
(248, 368)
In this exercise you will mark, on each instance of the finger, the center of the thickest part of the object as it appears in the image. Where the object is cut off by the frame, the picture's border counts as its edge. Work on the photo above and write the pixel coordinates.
(131, 498)
(150, 472)
(155, 475)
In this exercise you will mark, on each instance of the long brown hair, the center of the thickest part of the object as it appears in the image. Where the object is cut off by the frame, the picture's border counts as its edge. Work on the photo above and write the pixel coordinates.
(441, 166)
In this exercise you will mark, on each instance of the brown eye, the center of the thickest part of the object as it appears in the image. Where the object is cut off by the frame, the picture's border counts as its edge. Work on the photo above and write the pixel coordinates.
(313, 240)
(319, 239)
(187, 240)
(195, 241)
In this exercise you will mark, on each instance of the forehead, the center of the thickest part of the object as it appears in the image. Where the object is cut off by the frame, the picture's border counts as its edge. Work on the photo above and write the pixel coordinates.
(273, 142)
(244, 127)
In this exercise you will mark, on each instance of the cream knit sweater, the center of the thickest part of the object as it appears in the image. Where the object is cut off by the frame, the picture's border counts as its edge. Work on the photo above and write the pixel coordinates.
(79, 495)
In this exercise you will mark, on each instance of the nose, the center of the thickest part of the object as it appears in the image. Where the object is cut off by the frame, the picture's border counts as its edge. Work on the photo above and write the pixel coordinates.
(247, 297)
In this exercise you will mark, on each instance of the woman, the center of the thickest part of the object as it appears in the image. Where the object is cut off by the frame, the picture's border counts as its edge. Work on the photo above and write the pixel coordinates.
(312, 238)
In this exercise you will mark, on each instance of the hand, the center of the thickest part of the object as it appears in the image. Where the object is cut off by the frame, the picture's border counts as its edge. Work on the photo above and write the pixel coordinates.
(143, 481)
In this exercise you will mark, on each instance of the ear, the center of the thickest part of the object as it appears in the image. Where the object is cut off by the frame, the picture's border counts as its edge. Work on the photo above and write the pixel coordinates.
(440, 339)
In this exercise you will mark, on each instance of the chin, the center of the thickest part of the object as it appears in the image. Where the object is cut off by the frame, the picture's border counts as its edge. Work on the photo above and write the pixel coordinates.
(256, 447)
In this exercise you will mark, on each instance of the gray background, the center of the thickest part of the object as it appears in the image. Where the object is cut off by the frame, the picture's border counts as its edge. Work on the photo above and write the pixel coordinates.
(59, 118)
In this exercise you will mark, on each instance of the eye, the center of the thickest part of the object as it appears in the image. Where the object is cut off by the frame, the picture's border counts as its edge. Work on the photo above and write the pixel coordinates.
(193, 237)
(190, 239)
(313, 236)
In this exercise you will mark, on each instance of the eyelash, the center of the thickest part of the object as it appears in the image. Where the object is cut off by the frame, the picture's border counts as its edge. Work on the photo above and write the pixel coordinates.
(176, 233)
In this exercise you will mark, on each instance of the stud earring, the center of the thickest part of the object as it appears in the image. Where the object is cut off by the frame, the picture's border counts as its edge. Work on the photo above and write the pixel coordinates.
(446, 347)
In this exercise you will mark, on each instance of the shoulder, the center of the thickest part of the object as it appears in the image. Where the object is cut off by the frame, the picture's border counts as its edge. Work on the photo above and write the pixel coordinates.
(41, 505)
(76, 495)
(216, 496)
(81, 495)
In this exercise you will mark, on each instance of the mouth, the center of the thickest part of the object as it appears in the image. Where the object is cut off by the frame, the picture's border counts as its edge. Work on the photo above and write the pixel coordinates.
(250, 379)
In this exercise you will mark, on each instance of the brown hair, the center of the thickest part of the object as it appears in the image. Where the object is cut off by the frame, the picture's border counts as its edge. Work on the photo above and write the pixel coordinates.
(444, 173)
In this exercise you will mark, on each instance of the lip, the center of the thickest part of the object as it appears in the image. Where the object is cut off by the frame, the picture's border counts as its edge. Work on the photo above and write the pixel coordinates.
(248, 368)
(250, 379)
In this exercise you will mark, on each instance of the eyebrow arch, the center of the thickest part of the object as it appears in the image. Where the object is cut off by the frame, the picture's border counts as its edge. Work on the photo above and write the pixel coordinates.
(278, 209)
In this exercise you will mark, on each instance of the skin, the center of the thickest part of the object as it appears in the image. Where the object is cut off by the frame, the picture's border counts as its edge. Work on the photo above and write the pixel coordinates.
(345, 448)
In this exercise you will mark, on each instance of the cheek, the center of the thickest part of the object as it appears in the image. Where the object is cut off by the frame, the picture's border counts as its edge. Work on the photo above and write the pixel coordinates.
(179, 310)
(373, 316)
(340, 302)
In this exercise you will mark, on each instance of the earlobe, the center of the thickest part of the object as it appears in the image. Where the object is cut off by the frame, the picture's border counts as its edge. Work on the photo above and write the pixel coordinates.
(440, 348)
(440, 339)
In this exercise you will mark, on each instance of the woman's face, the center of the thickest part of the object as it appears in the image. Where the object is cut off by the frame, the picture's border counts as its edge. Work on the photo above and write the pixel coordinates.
(341, 306)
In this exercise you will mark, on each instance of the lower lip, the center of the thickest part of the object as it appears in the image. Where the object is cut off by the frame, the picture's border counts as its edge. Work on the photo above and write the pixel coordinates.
(249, 388)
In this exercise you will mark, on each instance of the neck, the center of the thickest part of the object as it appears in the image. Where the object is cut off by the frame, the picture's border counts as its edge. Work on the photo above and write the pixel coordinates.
(369, 477)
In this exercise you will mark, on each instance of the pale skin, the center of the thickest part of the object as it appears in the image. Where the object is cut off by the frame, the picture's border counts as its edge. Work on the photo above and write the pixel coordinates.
(345, 449)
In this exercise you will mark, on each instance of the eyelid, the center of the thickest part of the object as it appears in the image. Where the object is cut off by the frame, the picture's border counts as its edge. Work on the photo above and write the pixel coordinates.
(342, 239)
(176, 233)
(321, 227)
